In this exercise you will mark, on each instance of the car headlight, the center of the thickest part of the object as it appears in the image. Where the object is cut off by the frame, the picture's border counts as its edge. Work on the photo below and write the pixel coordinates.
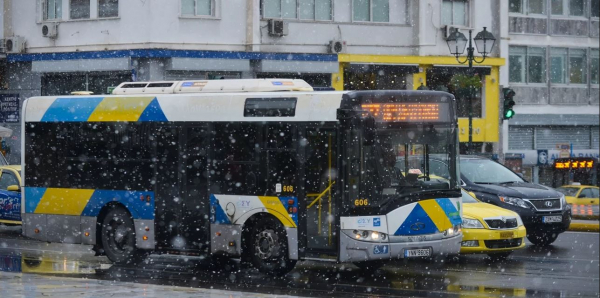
(470, 223)
(364, 235)
(514, 201)
(519, 221)
(563, 200)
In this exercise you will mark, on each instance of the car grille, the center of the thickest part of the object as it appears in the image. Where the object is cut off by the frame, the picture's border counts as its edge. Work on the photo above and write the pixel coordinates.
(546, 204)
(509, 223)
(505, 243)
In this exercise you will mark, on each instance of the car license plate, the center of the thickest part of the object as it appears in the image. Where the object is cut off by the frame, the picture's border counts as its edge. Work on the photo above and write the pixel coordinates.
(421, 252)
(551, 219)
(507, 235)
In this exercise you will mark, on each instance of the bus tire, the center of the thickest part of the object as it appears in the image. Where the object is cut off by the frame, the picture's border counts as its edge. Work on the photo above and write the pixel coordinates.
(118, 237)
(267, 248)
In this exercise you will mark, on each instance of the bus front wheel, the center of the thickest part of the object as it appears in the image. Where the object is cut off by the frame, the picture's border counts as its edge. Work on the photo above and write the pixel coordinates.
(118, 237)
(267, 247)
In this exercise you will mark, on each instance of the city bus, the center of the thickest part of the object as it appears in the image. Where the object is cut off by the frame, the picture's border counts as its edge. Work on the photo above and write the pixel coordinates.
(267, 171)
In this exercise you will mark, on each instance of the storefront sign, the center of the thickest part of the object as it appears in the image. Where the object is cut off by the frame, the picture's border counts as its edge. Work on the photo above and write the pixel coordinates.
(542, 157)
(530, 157)
(9, 108)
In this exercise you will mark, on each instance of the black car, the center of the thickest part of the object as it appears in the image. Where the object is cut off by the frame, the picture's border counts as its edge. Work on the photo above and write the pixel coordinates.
(544, 211)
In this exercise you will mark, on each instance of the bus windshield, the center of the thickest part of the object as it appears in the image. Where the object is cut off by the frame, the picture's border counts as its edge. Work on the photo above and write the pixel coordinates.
(410, 159)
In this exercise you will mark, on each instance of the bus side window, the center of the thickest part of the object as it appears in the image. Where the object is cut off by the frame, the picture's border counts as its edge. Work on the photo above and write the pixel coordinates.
(236, 162)
(281, 158)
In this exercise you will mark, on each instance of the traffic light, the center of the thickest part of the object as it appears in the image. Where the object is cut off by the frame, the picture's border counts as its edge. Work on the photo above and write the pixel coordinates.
(508, 103)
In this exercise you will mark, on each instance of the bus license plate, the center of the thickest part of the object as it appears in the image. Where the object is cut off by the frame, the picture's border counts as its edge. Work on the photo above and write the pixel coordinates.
(506, 235)
(421, 252)
(551, 219)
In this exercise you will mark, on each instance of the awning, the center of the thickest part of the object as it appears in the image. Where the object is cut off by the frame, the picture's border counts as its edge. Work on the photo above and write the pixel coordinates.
(209, 64)
(81, 65)
(387, 68)
(5, 132)
(297, 66)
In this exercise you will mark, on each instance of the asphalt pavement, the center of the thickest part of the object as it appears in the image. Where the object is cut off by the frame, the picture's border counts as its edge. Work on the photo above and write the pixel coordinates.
(569, 268)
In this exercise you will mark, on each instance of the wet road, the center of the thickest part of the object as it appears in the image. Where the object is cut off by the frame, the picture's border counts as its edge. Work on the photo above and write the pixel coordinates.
(568, 268)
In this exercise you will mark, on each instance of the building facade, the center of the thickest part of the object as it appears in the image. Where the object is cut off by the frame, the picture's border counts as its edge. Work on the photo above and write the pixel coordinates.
(551, 49)
(61, 46)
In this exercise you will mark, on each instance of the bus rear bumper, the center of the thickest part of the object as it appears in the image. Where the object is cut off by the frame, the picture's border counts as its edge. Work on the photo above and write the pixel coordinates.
(352, 250)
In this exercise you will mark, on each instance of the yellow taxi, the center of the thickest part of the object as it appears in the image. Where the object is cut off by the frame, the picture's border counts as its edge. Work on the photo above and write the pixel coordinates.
(578, 194)
(10, 195)
(489, 229)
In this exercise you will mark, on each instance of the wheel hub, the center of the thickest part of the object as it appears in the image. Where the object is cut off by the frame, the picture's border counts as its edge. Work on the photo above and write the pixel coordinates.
(267, 244)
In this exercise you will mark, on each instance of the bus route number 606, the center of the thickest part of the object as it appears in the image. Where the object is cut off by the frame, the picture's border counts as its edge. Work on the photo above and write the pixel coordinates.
(361, 202)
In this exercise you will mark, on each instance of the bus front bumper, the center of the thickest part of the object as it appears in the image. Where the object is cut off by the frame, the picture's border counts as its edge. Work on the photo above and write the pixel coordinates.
(352, 250)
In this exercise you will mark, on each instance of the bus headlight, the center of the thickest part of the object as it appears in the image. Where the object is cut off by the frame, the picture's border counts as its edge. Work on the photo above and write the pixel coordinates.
(365, 235)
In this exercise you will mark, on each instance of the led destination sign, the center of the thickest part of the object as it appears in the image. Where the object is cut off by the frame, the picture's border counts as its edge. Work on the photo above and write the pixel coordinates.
(408, 112)
(574, 164)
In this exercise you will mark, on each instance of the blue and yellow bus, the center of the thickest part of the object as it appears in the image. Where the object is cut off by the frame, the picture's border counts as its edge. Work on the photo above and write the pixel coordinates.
(268, 171)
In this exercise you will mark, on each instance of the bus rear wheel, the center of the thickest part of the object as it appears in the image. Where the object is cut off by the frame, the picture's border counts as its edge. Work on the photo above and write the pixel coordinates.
(267, 247)
(118, 237)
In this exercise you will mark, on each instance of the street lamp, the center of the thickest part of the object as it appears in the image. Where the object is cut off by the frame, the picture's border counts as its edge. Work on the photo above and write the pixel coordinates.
(484, 41)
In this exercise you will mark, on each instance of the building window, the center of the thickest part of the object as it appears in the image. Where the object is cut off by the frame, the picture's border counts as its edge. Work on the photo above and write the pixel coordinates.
(558, 65)
(52, 10)
(315, 10)
(515, 6)
(371, 11)
(455, 12)
(575, 8)
(197, 7)
(80, 9)
(108, 8)
(527, 65)
(594, 61)
(577, 66)
(536, 65)
(595, 9)
(280, 9)
(527, 6)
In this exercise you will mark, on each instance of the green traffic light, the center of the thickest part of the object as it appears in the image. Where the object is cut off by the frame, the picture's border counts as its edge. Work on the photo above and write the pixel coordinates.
(509, 114)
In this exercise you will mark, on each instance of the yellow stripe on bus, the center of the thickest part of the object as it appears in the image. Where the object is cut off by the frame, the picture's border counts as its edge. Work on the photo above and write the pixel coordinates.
(275, 207)
(120, 109)
(437, 214)
(64, 201)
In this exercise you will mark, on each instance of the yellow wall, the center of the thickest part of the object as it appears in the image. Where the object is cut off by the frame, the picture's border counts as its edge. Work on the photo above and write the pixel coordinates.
(485, 129)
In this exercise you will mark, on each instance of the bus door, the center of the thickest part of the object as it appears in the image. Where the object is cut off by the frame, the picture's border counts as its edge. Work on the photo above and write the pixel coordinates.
(168, 201)
(321, 172)
(195, 210)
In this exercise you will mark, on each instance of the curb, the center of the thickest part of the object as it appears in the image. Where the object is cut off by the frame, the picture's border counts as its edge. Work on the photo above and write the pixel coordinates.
(584, 227)
(586, 217)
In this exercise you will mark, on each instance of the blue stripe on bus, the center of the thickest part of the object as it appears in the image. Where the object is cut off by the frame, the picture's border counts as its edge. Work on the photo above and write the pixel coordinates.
(71, 109)
(136, 202)
(450, 210)
(417, 215)
(33, 196)
(217, 215)
(153, 112)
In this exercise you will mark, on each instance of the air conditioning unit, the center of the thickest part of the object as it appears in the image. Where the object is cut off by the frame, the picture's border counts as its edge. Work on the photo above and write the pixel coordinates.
(50, 30)
(15, 44)
(449, 29)
(337, 46)
(278, 28)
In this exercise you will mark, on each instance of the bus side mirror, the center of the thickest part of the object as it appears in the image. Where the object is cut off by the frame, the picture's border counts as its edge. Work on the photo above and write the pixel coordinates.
(13, 188)
(369, 131)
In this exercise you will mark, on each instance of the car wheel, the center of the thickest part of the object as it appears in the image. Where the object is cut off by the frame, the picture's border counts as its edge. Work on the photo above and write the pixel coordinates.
(542, 238)
(501, 256)
(118, 237)
(267, 248)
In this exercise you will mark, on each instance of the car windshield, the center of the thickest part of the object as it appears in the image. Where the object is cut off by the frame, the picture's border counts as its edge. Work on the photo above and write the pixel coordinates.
(467, 198)
(487, 172)
(568, 191)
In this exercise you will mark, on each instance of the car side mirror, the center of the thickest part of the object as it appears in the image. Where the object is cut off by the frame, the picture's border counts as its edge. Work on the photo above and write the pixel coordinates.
(13, 188)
